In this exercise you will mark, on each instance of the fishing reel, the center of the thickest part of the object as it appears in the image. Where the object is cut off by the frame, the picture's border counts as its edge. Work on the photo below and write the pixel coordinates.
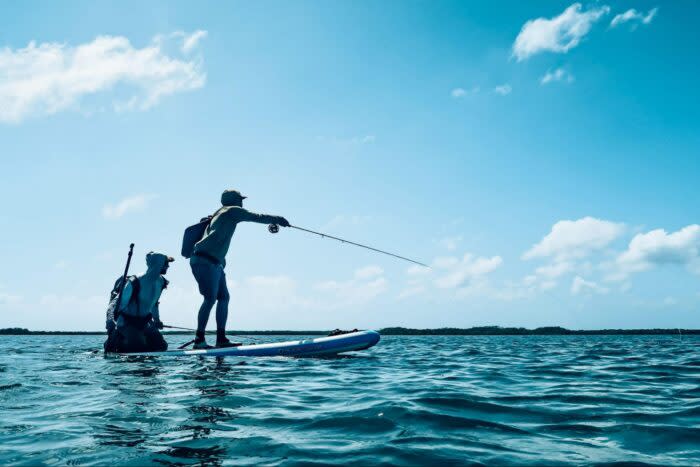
(273, 228)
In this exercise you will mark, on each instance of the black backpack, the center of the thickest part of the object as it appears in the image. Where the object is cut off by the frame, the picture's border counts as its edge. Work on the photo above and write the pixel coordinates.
(112, 308)
(194, 233)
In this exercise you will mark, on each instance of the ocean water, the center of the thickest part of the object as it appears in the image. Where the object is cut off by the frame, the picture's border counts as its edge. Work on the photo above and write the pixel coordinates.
(411, 400)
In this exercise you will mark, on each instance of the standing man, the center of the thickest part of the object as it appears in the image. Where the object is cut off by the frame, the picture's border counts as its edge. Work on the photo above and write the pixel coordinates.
(209, 259)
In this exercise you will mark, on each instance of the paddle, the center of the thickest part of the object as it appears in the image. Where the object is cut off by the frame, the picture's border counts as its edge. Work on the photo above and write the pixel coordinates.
(186, 344)
(184, 329)
(178, 327)
(123, 282)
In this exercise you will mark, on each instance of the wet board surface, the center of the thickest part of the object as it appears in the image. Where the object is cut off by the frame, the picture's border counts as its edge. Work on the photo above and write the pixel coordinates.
(312, 347)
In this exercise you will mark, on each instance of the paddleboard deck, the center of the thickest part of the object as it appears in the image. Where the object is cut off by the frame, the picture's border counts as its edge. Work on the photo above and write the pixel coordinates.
(314, 347)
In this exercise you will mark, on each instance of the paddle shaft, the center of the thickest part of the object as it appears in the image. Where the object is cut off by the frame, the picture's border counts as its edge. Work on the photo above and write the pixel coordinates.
(178, 327)
(123, 282)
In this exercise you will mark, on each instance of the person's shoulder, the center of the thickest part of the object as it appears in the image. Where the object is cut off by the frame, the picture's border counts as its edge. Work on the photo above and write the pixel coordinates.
(233, 211)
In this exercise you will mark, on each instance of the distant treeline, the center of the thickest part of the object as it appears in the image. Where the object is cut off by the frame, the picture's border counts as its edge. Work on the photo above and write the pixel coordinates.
(399, 331)
(545, 331)
(27, 332)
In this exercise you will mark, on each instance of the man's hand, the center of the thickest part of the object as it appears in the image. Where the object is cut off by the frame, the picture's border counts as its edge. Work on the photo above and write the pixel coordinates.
(283, 222)
(159, 324)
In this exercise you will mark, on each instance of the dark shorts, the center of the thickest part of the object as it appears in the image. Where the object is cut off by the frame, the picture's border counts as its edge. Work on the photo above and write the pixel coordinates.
(211, 280)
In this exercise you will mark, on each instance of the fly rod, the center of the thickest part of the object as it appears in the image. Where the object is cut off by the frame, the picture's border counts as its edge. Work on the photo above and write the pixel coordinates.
(274, 228)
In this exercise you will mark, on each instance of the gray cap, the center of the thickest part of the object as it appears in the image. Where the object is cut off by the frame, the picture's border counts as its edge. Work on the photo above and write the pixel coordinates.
(230, 196)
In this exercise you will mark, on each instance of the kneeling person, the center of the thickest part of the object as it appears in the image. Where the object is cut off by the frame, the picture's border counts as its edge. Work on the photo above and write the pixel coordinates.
(134, 327)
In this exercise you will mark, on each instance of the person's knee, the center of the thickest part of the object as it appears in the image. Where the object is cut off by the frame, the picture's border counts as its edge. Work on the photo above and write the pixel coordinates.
(209, 300)
(224, 296)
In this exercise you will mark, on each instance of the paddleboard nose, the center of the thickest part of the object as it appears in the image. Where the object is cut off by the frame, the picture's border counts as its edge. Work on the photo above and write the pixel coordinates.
(374, 337)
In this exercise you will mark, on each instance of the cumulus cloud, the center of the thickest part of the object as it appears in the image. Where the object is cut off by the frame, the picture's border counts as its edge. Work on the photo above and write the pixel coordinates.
(575, 239)
(558, 34)
(460, 276)
(366, 284)
(51, 77)
(554, 270)
(580, 286)
(636, 17)
(129, 204)
(268, 293)
(658, 247)
(461, 272)
(503, 89)
(559, 74)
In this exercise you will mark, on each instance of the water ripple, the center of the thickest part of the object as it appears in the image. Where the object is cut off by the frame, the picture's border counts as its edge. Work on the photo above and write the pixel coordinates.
(433, 400)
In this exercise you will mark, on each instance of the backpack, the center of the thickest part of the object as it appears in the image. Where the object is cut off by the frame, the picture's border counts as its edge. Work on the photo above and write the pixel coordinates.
(112, 308)
(193, 234)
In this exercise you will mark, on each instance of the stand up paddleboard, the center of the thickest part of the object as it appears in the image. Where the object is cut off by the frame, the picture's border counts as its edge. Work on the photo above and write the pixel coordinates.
(315, 347)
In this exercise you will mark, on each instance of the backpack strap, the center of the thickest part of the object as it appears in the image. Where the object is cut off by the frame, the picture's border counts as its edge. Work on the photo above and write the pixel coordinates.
(133, 280)
(136, 284)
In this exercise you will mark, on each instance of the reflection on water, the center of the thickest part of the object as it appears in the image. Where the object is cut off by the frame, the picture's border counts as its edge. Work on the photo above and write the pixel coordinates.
(410, 401)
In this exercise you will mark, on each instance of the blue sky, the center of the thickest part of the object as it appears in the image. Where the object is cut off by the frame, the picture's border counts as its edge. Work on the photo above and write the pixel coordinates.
(542, 157)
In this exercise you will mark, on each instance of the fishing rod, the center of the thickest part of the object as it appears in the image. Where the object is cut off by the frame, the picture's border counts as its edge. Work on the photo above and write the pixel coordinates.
(274, 228)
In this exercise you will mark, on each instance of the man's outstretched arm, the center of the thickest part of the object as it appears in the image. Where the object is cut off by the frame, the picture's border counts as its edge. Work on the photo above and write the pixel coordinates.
(246, 216)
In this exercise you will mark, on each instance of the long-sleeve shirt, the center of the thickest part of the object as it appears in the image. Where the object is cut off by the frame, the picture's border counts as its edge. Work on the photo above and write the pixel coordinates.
(149, 294)
(217, 238)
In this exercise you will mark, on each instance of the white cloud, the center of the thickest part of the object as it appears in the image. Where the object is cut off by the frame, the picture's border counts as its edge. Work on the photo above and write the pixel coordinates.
(368, 272)
(503, 89)
(190, 41)
(268, 293)
(579, 286)
(658, 247)
(670, 301)
(411, 291)
(634, 16)
(450, 243)
(459, 277)
(344, 220)
(367, 139)
(559, 74)
(417, 270)
(366, 285)
(460, 273)
(459, 93)
(575, 239)
(130, 204)
(558, 34)
(51, 77)
(554, 270)
(9, 299)
(55, 301)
